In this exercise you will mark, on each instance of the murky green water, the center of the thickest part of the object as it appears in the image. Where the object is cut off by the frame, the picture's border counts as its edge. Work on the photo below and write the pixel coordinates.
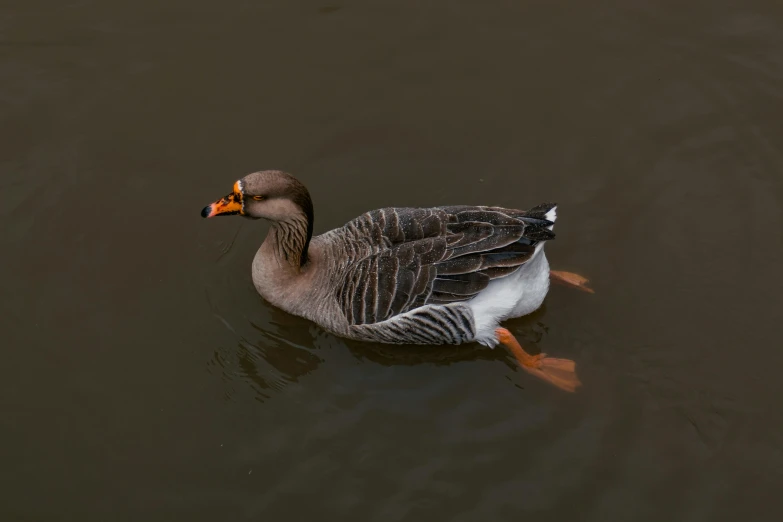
(142, 378)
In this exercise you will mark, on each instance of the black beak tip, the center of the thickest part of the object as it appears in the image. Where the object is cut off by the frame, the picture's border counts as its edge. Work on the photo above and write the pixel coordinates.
(206, 211)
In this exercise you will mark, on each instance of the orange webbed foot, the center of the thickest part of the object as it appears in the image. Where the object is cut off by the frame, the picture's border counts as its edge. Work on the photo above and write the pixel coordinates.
(571, 279)
(560, 372)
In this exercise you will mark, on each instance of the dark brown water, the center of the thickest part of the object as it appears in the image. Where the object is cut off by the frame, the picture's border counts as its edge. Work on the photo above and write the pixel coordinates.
(142, 378)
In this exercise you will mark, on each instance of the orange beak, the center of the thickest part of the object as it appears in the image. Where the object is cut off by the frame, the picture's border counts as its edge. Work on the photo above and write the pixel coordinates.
(229, 205)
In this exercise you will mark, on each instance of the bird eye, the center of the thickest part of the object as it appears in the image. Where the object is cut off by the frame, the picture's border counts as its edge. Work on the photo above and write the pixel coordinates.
(258, 198)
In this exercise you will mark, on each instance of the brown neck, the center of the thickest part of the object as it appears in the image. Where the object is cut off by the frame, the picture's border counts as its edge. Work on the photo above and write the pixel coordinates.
(290, 240)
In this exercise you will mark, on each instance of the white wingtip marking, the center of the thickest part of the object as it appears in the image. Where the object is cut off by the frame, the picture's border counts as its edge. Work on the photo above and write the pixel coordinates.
(551, 216)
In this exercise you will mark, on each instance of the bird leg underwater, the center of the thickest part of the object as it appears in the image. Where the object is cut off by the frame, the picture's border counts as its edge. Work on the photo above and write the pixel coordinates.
(560, 372)
(571, 279)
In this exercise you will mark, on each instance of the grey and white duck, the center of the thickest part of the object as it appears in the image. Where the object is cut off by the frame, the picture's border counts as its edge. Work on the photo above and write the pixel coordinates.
(440, 275)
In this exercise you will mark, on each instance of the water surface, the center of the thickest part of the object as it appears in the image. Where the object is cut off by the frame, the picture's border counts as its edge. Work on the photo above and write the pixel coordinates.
(144, 379)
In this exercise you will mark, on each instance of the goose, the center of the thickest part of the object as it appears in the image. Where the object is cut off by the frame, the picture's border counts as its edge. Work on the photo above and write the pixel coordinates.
(416, 276)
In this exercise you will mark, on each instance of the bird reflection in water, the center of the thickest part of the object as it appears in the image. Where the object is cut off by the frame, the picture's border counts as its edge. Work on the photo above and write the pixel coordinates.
(273, 361)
